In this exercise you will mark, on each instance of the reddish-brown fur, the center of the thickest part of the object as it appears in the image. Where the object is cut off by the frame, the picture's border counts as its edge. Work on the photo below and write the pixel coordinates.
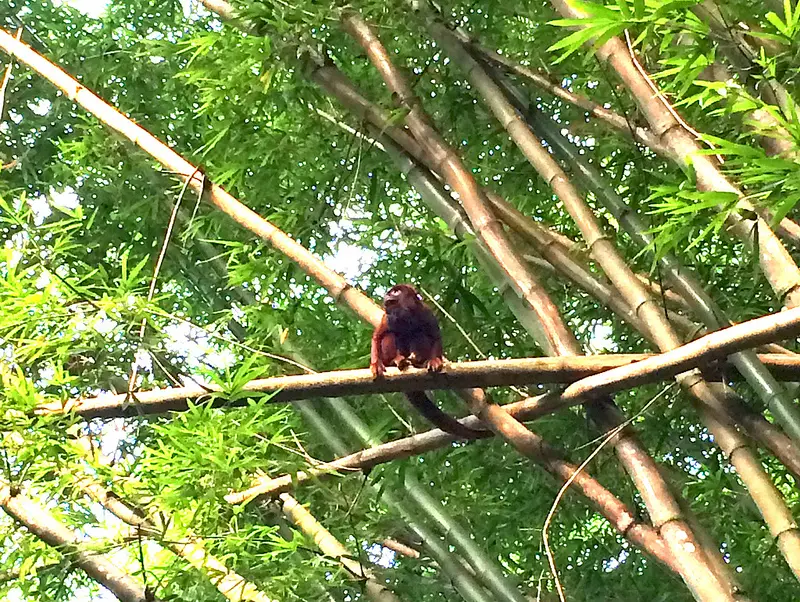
(409, 335)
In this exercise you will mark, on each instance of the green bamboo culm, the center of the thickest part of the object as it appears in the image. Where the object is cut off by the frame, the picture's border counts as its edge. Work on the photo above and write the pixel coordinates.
(769, 390)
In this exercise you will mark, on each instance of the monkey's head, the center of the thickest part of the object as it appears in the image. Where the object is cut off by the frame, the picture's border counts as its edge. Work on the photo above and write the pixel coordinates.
(401, 299)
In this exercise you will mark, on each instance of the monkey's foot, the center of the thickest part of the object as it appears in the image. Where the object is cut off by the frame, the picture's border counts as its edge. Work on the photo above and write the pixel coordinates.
(435, 364)
(402, 362)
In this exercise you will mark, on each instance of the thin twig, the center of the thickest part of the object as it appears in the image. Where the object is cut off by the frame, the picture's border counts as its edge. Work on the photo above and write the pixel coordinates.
(561, 492)
(7, 77)
(156, 270)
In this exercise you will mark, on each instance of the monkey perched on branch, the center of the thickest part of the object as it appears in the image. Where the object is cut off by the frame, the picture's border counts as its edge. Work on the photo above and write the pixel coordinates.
(407, 336)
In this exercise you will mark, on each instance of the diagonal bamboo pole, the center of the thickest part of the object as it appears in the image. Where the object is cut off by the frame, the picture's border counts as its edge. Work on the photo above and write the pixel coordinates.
(764, 493)
(777, 265)
(191, 548)
(700, 570)
(333, 548)
(54, 533)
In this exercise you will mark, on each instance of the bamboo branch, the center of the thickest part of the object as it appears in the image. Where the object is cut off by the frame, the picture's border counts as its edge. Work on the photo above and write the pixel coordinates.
(699, 353)
(54, 533)
(400, 548)
(339, 383)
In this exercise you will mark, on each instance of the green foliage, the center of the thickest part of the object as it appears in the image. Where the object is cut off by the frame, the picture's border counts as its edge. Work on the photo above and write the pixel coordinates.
(83, 216)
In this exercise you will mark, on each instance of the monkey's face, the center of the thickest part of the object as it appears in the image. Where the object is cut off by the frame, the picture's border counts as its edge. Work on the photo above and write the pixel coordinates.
(400, 298)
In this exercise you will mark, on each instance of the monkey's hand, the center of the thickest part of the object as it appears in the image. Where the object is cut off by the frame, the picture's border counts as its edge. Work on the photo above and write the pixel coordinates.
(435, 364)
(402, 362)
(377, 369)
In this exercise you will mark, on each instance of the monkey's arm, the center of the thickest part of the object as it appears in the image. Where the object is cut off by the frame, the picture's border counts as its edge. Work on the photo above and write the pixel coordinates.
(436, 359)
(375, 359)
(427, 342)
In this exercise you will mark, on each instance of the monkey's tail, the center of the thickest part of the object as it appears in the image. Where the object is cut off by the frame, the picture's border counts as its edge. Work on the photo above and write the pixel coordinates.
(441, 419)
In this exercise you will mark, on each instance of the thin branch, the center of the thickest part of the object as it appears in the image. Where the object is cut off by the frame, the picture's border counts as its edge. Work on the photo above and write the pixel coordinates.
(563, 490)
(543, 81)
(616, 372)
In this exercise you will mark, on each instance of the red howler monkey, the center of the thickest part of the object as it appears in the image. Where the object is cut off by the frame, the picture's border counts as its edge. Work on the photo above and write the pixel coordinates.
(408, 335)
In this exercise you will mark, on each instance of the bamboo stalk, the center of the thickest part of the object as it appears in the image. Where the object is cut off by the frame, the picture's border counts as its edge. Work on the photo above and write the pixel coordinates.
(358, 382)
(706, 585)
(54, 533)
(333, 548)
(776, 263)
(190, 548)
(772, 393)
